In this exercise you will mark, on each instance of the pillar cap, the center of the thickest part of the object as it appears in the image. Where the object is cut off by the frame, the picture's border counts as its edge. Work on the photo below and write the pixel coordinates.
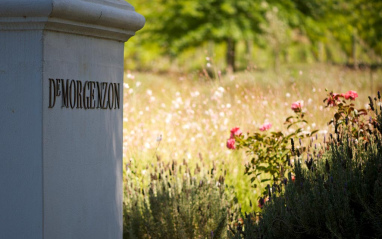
(111, 19)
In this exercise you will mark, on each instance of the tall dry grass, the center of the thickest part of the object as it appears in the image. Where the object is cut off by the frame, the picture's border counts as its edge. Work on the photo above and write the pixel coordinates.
(188, 117)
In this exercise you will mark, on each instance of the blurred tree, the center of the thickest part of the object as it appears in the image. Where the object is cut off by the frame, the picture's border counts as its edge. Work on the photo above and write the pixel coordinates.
(329, 28)
(292, 21)
(277, 35)
(367, 19)
(355, 22)
(189, 23)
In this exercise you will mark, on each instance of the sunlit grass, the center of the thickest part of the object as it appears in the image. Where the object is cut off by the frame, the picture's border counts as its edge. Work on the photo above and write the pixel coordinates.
(188, 117)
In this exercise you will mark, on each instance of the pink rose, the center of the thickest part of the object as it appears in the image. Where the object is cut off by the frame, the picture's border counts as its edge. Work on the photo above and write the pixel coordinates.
(231, 143)
(293, 178)
(297, 106)
(265, 126)
(350, 95)
(235, 132)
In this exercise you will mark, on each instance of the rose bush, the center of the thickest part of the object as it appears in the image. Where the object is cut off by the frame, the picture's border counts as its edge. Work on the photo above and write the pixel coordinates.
(270, 151)
(337, 194)
(347, 117)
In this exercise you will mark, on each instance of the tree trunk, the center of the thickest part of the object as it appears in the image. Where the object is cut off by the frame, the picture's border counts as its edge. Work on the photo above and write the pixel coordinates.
(230, 55)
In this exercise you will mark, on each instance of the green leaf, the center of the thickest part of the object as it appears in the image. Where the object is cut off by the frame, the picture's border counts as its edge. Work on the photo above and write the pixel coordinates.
(287, 119)
(313, 132)
(277, 134)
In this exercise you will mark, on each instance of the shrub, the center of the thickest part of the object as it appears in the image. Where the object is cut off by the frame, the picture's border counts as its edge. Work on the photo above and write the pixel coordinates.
(270, 151)
(177, 205)
(338, 196)
(341, 197)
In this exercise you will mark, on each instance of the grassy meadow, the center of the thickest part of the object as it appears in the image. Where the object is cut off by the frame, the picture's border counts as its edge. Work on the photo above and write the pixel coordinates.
(187, 118)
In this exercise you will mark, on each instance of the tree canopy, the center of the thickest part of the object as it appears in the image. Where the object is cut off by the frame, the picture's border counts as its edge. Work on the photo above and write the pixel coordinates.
(174, 26)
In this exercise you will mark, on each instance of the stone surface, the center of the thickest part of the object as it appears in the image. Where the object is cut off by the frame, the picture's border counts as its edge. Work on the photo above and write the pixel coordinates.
(61, 165)
(112, 19)
(21, 206)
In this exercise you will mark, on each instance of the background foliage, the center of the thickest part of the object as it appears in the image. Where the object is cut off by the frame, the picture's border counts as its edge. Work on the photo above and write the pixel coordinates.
(236, 33)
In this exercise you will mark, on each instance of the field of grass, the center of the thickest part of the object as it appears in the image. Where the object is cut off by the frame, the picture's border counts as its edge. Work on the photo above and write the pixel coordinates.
(187, 118)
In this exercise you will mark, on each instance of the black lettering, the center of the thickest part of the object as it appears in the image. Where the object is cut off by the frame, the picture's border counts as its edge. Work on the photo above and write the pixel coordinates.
(84, 95)
(99, 95)
(52, 93)
(79, 94)
(110, 94)
(88, 97)
(92, 101)
(65, 93)
(72, 94)
(104, 105)
(58, 91)
(116, 95)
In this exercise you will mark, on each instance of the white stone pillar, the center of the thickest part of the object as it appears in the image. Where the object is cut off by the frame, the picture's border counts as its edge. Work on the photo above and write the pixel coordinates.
(61, 102)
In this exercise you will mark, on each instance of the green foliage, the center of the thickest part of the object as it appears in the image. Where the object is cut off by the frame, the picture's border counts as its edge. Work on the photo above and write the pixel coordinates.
(338, 196)
(270, 152)
(347, 114)
(176, 204)
(327, 30)
(191, 23)
(378, 119)
(367, 21)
